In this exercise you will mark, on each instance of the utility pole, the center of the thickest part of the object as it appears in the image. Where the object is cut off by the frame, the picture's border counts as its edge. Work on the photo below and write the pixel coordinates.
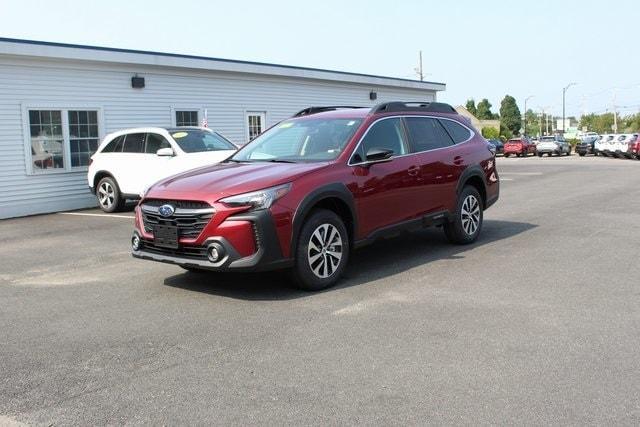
(564, 91)
(524, 132)
(615, 113)
(418, 69)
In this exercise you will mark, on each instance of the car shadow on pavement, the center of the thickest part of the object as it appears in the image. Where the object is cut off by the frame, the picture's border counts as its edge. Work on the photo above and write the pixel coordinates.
(382, 259)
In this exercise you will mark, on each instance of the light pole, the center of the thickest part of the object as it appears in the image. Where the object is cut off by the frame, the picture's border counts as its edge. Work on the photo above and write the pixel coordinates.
(564, 91)
(525, 114)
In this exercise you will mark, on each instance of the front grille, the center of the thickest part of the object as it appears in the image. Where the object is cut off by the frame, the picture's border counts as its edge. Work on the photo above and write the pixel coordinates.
(192, 252)
(190, 217)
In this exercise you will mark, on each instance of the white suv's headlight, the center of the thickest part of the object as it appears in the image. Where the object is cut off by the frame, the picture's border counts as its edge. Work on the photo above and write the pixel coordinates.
(261, 199)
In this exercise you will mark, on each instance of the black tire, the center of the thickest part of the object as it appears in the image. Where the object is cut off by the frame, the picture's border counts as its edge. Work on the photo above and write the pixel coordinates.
(320, 273)
(540, 155)
(456, 231)
(506, 155)
(108, 195)
(581, 154)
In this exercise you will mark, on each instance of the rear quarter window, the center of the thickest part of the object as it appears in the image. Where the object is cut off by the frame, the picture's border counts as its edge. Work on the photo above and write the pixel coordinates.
(458, 132)
(115, 146)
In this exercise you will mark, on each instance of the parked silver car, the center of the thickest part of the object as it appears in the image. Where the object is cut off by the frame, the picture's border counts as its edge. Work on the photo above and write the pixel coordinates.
(551, 145)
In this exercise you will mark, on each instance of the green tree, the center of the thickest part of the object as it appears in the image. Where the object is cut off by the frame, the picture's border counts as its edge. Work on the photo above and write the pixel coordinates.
(471, 106)
(490, 132)
(533, 122)
(484, 110)
(510, 118)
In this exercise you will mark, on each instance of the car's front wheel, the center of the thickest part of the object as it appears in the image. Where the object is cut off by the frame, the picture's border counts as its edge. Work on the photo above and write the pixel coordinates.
(467, 220)
(322, 251)
(108, 195)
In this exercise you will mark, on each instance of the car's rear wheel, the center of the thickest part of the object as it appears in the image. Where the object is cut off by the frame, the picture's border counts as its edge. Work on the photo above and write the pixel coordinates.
(582, 154)
(108, 195)
(467, 221)
(539, 154)
(322, 251)
(506, 154)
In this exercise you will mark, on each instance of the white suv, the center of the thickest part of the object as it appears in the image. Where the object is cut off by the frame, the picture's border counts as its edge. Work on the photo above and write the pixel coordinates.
(604, 144)
(129, 161)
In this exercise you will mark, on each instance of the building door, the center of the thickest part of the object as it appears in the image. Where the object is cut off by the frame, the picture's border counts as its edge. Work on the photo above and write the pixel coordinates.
(255, 123)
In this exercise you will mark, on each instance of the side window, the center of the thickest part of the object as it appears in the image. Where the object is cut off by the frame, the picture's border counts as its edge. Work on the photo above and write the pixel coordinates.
(458, 132)
(115, 146)
(386, 134)
(427, 134)
(134, 143)
(155, 142)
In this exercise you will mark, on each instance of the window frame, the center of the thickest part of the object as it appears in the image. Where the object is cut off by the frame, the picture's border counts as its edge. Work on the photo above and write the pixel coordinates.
(190, 108)
(66, 139)
(247, 113)
(472, 135)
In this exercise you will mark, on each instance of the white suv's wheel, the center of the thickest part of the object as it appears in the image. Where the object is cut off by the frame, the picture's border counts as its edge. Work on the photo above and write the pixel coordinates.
(108, 195)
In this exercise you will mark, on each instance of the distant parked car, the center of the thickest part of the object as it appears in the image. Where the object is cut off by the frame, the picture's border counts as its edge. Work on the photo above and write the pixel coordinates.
(497, 145)
(521, 147)
(603, 145)
(587, 144)
(129, 161)
(551, 145)
(634, 148)
(624, 143)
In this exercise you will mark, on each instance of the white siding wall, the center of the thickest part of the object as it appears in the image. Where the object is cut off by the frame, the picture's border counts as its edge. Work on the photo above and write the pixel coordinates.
(68, 84)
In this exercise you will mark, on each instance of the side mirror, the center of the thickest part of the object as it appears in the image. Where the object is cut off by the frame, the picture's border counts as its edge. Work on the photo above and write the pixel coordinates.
(165, 152)
(378, 155)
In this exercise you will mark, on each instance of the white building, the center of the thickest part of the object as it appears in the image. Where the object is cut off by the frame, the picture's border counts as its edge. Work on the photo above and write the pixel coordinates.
(58, 100)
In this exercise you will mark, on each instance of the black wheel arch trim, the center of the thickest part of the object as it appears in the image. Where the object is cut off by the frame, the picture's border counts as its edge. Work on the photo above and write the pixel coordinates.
(335, 190)
(471, 172)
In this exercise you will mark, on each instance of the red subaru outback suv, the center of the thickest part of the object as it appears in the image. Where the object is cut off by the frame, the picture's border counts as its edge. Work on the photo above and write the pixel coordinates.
(306, 192)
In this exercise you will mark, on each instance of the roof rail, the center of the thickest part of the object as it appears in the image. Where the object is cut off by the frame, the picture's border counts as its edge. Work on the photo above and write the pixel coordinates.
(313, 110)
(432, 107)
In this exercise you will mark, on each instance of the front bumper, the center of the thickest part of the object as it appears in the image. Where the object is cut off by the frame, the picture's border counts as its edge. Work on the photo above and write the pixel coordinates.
(268, 254)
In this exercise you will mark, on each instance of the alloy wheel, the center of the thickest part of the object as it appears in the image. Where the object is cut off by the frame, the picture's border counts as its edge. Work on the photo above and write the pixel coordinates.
(470, 214)
(325, 250)
(106, 195)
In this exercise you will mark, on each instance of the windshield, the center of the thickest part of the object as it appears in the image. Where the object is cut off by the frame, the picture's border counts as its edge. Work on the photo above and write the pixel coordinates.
(198, 140)
(307, 140)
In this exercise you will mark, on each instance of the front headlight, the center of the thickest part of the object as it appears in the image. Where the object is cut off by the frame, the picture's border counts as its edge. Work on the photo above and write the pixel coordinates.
(262, 199)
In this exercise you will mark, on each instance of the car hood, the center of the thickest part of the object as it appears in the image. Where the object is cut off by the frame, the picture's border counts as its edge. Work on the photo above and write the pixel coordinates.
(212, 183)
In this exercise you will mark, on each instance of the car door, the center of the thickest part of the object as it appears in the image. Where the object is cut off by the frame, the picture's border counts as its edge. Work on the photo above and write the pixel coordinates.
(134, 170)
(157, 167)
(385, 193)
(431, 143)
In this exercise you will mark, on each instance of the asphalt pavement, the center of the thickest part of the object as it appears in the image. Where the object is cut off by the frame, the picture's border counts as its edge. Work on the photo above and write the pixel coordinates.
(536, 323)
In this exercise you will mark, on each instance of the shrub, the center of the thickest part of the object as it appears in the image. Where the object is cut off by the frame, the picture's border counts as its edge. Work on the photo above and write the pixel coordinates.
(490, 132)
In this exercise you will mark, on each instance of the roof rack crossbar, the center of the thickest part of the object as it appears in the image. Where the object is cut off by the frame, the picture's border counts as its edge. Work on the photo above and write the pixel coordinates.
(313, 110)
(432, 107)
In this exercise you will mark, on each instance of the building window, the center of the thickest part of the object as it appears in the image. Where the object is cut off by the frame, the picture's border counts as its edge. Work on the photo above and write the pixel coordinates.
(186, 118)
(47, 141)
(255, 124)
(62, 139)
(83, 136)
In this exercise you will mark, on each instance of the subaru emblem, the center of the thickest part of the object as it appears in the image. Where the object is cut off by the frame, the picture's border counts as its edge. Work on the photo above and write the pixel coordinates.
(166, 210)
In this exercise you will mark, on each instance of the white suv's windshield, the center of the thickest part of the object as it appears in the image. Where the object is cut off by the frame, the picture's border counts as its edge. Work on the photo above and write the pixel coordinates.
(198, 140)
(306, 140)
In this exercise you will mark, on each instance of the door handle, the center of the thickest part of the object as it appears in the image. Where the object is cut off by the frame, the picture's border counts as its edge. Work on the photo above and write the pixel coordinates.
(414, 170)
(457, 160)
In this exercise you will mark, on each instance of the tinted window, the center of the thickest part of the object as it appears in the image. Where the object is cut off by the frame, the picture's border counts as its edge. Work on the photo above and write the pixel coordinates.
(427, 134)
(114, 146)
(458, 132)
(134, 143)
(155, 142)
(386, 134)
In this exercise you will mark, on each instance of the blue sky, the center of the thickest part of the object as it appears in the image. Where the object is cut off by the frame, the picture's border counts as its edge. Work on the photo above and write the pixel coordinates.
(478, 48)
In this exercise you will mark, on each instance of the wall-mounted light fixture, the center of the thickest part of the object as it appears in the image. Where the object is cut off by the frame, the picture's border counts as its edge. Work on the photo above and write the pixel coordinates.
(373, 95)
(137, 82)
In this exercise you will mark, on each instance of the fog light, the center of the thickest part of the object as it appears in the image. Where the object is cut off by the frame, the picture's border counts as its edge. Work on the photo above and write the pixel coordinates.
(135, 242)
(215, 252)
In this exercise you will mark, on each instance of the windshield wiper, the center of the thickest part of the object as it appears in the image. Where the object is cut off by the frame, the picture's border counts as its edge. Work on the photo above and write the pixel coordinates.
(279, 161)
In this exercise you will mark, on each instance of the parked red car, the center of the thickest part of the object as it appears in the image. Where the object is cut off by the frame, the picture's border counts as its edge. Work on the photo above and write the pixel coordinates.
(521, 147)
(313, 187)
(634, 148)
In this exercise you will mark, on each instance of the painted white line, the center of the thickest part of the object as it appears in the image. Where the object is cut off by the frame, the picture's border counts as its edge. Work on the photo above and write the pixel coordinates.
(521, 173)
(101, 215)
(506, 179)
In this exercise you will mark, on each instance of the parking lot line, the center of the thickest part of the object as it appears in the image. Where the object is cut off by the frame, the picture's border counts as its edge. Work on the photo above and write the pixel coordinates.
(521, 173)
(101, 215)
